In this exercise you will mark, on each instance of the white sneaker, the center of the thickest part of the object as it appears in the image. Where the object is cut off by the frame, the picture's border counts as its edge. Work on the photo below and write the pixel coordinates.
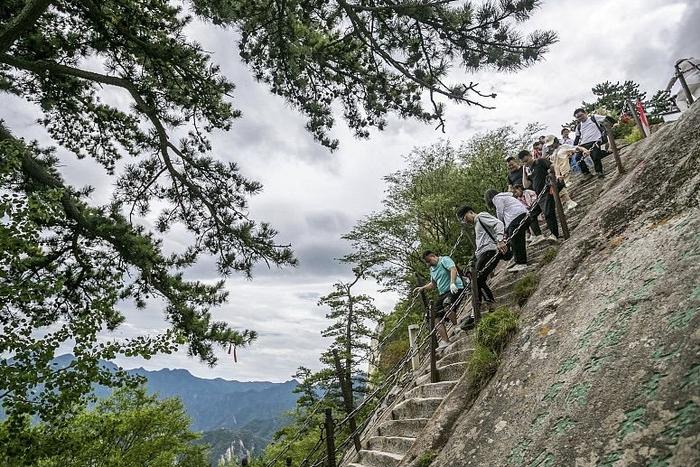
(517, 268)
(551, 238)
(535, 239)
(571, 205)
(443, 345)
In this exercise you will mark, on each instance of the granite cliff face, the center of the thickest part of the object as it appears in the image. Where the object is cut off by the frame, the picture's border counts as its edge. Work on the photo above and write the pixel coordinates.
(605, 367)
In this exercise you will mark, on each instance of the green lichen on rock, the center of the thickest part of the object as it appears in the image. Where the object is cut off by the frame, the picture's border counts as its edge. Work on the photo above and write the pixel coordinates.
(634, 421)
(651, 386)
(563, 424)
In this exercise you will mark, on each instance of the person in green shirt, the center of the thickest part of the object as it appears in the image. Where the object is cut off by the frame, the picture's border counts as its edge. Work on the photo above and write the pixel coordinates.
(445, 278)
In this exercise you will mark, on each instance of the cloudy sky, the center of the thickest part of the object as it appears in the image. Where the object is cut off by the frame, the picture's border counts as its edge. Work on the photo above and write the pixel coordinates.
(313, 197)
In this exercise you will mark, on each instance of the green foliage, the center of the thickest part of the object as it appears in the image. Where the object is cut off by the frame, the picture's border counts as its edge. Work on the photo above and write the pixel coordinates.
(549, 255)
(611, 97)
(70, 266)
(493, 332)
(482, 364)
(495, 329)
(634, 136)
(624, 128)
(129, 428)
(426, 458)
(419, 210)
(525, 287)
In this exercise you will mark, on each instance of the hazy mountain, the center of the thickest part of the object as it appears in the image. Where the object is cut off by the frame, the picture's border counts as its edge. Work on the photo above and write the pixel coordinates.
(235, 416)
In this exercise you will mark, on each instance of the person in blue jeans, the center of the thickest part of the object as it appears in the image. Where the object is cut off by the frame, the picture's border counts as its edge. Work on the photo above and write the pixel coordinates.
(444, 277)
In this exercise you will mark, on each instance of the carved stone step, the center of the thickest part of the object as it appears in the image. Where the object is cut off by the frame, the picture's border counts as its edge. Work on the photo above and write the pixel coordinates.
(455, 357)
(431, 390)
(406, 427)
(416, 407)
(392, 444)
(379, 458)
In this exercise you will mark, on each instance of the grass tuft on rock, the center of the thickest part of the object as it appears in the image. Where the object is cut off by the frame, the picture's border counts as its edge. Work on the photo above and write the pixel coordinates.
(482, 364)
(494, 329)
(549, 255)
(426, 458)
(492, 334)
(525, 287)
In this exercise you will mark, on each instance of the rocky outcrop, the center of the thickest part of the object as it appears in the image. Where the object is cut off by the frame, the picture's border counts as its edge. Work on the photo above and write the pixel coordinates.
(605, 369)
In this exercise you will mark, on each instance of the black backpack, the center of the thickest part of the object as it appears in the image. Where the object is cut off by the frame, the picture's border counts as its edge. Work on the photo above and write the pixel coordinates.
(601, 128)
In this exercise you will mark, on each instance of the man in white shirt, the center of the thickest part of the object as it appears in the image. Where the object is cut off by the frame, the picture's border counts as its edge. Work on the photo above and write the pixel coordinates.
(512, 213)
(589, 134)
(489, 233)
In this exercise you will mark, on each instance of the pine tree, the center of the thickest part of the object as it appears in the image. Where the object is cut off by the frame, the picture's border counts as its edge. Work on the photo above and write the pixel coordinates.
(68, 266)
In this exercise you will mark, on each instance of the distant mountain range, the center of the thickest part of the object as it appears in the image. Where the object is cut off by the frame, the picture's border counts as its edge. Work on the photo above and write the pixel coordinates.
(236, 417)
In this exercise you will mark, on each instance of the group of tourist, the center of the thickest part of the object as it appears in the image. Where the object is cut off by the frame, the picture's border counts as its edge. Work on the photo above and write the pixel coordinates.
(504, 236)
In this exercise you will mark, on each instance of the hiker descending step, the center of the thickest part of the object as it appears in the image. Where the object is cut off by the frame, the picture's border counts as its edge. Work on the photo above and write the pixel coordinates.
(444, 276)
(515, 172)
(512, 213)
(528, 198)
(560, 156)
(489, 233)
(538, 180)
(591, 134)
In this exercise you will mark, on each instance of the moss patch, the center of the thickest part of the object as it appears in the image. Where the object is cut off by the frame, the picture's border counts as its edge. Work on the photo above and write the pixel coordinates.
(525, 287)
(549, 255)
(492, 334)
(426, 458)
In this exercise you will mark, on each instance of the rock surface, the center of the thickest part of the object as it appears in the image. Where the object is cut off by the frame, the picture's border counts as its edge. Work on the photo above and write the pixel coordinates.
(605, 368)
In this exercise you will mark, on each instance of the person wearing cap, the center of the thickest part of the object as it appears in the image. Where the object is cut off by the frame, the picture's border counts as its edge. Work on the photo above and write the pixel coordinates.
(514, 216)
(560, 156)
(491, 246)
(537, 179)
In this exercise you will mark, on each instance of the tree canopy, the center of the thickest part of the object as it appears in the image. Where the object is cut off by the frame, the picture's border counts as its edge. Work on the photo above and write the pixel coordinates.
(68, 266)
(127, 429)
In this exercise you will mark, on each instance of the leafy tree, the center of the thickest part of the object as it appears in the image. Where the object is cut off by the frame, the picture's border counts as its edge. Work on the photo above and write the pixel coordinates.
(611, 97)
(419, 209)
(68, 266)
(354, 319)
(127, 429)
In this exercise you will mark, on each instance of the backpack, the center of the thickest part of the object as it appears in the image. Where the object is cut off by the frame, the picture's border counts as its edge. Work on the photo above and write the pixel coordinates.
(601, 128)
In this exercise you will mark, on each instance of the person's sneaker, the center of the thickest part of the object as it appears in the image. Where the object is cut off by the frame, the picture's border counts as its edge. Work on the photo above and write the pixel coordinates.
(536, 239)
(570, 205)
(517, 268)
(587, 177)
(551, 238)
(443, 345)
(467, 323)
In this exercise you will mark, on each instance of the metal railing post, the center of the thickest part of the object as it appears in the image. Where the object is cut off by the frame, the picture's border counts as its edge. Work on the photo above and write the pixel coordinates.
(412, 337)
(560, 209)
(288, 462)
(684, 83)
(613, 147)
(430, 318)
(476, 297)
(346, 389)
(330, 439)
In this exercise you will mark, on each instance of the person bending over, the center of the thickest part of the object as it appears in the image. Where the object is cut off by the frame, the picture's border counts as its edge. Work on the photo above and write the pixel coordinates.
(445, 278)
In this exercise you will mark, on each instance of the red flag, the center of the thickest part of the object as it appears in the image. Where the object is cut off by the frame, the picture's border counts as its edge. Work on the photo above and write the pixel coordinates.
(643, 117)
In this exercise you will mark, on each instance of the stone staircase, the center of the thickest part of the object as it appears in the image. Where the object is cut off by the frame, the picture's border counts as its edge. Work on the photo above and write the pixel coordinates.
(389, 438)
